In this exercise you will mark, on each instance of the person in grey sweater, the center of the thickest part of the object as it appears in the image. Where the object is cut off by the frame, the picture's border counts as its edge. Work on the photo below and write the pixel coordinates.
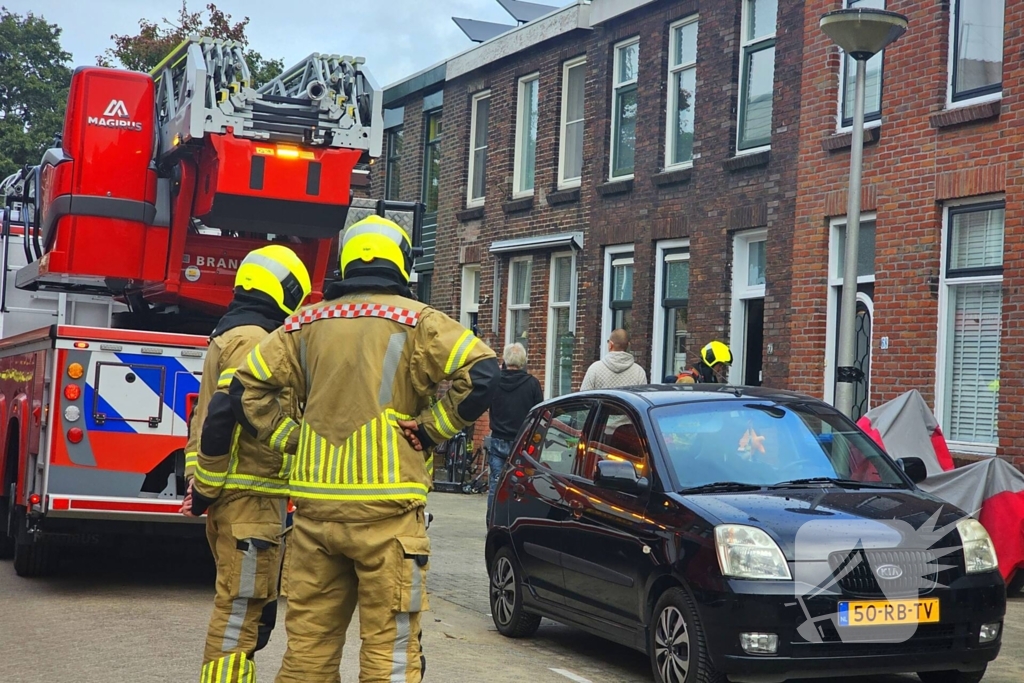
(617, 369)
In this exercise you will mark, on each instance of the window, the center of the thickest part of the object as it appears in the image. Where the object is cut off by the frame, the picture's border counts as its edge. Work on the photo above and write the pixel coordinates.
(432, 161)
(424, 286)
(560, 319)
(682, 88)
(478, 148)
(558, 437)
(757, 77)
(621, 299)
(624, 76)
(750, 257)
(672, 282)
(972, 323)
(393, 176)
(977, 51)
(519, 301)
(614, 437)
(570, 152)
(526, 136)
(470, 296)
(873, 83)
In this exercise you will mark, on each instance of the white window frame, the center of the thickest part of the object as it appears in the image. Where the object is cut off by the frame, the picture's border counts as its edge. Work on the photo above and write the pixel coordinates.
(745, 45)
(470, 200)
(616, 86)
(954, 7)
(672, 101)
(563, 182)
(658, 330)
(613, 253)
(518, 160)
(942, 331)
(741, 293)
(552, 305)
(509, 306)
(469, 306)
(874, 123)
(832, 298)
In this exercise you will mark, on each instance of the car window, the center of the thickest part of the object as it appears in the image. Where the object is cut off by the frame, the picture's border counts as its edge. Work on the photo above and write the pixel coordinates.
(615, 436)
(558, 436)
(765, 444)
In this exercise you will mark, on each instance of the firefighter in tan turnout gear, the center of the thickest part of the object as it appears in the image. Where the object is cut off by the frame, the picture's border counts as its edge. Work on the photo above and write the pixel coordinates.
(365, 364)
(244, 490)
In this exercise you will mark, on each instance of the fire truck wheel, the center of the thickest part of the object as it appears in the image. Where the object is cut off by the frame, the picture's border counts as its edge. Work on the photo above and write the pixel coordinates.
(6, 539)
(33, 560)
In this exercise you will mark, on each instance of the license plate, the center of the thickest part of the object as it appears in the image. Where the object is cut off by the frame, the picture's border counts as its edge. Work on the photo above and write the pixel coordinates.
(888, 612)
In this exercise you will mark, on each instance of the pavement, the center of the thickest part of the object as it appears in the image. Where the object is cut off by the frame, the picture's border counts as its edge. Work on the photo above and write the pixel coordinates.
(139, 615)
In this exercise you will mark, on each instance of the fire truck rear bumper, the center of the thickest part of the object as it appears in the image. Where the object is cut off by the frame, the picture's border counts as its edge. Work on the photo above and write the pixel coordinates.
(153, 510)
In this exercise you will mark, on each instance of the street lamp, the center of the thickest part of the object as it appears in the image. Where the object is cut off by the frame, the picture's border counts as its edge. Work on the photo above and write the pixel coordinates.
(861, 33)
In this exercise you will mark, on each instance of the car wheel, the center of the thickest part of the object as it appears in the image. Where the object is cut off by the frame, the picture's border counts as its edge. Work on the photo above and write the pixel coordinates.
(677, 647)
(507, 609)
(951, 676)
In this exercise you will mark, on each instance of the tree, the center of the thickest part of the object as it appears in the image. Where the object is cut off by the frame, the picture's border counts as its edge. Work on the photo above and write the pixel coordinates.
(154, 41)
(34, 81)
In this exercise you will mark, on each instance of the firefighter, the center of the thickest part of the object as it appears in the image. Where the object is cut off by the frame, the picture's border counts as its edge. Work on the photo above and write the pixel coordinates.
(715, 359)
(244, 490)
(365, 364)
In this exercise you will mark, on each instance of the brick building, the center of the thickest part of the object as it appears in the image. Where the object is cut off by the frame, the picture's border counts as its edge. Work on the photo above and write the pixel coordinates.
(615, 162)
(940, 302)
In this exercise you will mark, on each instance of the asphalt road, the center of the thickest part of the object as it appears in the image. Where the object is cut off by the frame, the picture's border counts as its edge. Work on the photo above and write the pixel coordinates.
(140, 615)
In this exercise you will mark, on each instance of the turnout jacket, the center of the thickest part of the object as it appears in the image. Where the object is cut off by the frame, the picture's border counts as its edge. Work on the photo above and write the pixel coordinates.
(248, 466)
(358, 364)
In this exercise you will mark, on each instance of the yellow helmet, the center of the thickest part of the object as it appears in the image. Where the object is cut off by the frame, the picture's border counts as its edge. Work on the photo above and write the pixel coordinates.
(278, 272)
(376, 243)
(716, 352)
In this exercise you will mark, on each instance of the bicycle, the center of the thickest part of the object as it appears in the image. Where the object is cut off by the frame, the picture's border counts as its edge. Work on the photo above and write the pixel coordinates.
(463, 470)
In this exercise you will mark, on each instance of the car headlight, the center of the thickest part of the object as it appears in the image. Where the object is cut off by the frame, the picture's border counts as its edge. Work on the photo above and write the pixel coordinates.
(746, 552)
(979, 553)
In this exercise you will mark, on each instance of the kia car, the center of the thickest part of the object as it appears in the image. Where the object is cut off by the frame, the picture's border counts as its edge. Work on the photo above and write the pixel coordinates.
(738, 533)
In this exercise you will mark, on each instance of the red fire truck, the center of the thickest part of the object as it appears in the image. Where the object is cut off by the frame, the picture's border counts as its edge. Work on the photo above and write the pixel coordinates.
(120, 251)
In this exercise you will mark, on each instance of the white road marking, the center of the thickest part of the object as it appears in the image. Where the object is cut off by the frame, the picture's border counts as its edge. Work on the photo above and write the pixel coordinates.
(571, 676)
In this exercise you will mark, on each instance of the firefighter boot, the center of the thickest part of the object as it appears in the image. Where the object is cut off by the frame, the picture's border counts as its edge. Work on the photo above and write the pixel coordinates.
(332, 567)
(244, 536)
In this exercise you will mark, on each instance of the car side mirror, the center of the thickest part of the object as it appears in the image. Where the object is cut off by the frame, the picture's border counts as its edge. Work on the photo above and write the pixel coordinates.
(913, 468)
(619, 475)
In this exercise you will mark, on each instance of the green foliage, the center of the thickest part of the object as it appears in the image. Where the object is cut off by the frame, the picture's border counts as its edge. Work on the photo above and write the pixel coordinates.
(34, 81)
(143, 51)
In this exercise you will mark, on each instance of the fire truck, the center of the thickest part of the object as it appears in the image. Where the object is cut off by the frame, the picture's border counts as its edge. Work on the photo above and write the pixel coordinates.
(119, 255)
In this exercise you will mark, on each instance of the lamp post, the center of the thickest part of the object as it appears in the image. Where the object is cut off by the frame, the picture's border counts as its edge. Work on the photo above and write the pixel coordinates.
(861, 33)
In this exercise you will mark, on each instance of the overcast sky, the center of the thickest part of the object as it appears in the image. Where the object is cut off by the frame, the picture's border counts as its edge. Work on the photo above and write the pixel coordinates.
(397, 37)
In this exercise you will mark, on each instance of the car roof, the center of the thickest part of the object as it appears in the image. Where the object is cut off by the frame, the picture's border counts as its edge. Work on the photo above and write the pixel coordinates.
(654, 395)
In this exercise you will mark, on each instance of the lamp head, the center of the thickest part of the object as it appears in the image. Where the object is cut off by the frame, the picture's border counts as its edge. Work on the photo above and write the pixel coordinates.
(863, 33)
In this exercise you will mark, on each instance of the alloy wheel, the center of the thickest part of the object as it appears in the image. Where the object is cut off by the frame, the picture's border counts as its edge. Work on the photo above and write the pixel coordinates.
(672, 646)
(503, 590)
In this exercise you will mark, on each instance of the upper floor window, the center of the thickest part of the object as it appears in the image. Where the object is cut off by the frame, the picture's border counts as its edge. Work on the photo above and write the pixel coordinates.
(757, 74)
(478, 148)
(624, 80)
(977, 48)
(432, 161)
(873, 82)
(682, 89)
(526, 135)
(570, 152)
(393, 176)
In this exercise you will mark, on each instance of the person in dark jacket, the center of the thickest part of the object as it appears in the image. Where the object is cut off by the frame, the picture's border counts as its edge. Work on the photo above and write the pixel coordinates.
(518, 392)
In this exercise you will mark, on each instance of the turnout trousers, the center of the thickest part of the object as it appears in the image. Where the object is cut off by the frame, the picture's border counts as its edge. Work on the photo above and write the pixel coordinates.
(245, 536)
(331, 567)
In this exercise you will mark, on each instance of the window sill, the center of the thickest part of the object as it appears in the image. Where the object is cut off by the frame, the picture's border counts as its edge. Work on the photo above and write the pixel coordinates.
(470, 214)
(948, 118)
(673, 176)
(516, 205)
(843, 141)
(566, 196)
(738, 163)
(614, 187)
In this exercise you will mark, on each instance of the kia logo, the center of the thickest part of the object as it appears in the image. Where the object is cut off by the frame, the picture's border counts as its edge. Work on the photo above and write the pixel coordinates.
(888, 571)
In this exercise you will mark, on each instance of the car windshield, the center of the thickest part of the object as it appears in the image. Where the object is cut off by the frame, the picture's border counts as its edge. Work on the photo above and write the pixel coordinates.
(768, 444)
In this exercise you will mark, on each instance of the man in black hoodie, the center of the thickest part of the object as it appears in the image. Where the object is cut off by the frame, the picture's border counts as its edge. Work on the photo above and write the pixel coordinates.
(518, 392)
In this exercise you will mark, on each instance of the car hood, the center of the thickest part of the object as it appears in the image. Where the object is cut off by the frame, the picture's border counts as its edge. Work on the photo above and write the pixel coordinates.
(810, 523)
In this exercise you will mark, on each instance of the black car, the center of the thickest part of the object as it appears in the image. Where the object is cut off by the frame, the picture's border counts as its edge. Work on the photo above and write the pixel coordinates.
(738, 532)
